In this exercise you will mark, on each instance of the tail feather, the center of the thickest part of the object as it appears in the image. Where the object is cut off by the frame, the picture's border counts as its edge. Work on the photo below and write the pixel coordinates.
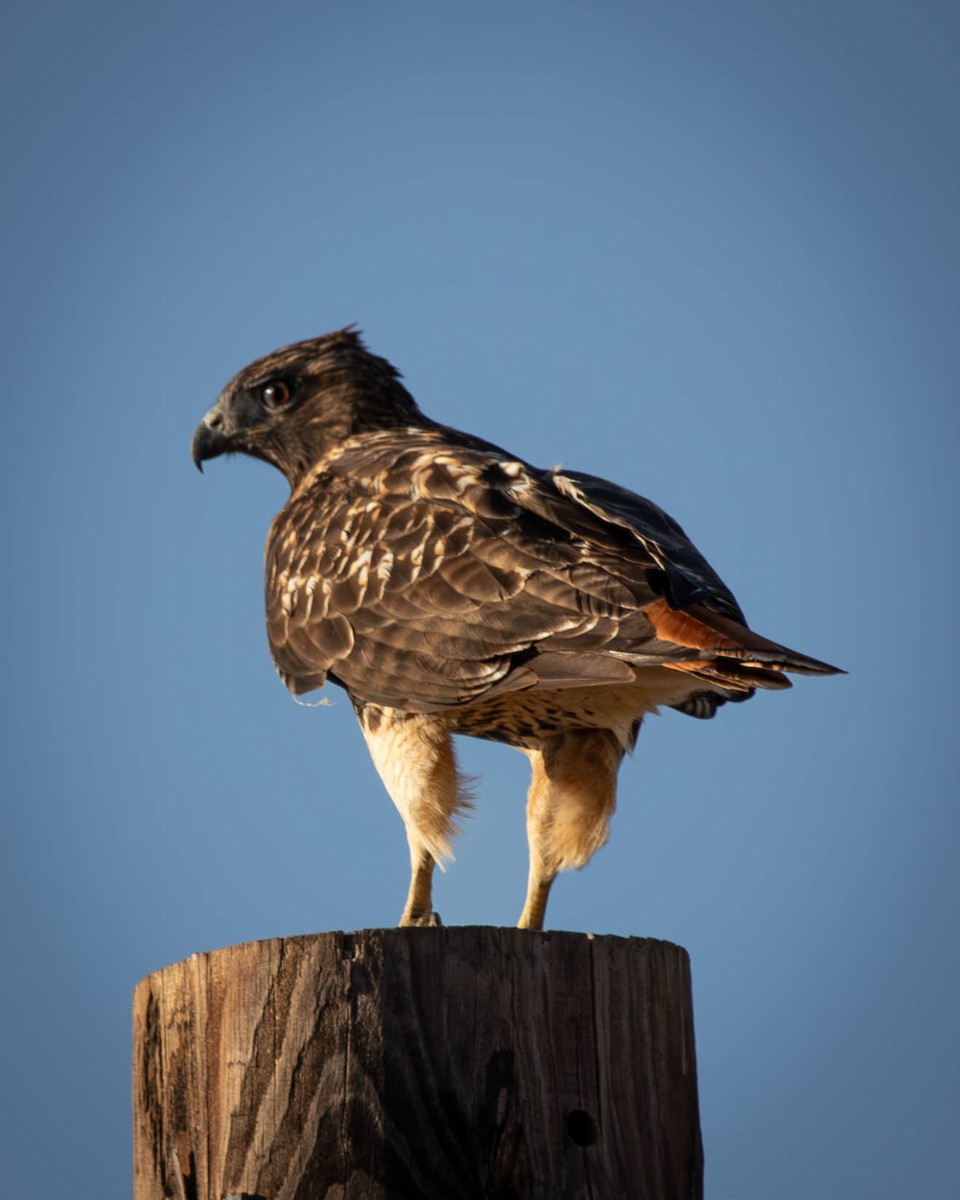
(763, 649)
(735, 657)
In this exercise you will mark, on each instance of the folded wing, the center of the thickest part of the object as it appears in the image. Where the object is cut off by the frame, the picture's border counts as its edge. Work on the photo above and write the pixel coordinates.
(427, 570)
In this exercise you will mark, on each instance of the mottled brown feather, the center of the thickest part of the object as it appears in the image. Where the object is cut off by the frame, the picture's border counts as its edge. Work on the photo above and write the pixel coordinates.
(499, 561)
(452, 588)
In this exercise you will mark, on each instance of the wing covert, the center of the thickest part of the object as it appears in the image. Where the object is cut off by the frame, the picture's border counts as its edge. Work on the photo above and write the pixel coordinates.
(423, 575)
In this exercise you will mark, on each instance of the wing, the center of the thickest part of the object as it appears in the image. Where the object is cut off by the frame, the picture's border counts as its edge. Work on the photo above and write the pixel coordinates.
(425, 569)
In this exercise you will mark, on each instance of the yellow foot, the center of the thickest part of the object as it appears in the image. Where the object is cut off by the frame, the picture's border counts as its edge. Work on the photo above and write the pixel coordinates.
(426, 920)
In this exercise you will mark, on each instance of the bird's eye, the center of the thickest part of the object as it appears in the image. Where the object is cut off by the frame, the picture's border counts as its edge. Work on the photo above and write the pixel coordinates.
(275, 394)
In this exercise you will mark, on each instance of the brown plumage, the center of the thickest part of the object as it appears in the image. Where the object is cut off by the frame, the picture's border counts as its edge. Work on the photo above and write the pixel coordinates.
(451, 588)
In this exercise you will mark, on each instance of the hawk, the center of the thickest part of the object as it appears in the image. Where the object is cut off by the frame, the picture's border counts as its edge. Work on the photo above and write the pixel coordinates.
(452, 588)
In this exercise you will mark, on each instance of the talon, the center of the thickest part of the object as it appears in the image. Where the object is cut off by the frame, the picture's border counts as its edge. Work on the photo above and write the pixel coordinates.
(427, 920)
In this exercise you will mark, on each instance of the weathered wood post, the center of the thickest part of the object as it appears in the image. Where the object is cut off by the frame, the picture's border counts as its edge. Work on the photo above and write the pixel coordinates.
(419, 1064)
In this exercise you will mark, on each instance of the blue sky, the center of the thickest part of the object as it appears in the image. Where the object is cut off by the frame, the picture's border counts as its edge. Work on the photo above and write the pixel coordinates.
(706, 250)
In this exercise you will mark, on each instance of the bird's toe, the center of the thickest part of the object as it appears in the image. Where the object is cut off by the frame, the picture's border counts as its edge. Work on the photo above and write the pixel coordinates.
(426, 920)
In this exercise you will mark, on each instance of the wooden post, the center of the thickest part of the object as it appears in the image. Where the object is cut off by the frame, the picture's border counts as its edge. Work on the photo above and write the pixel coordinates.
(419, 1064)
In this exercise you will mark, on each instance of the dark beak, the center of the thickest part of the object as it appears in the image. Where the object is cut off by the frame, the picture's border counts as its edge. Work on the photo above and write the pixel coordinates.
(210, 441)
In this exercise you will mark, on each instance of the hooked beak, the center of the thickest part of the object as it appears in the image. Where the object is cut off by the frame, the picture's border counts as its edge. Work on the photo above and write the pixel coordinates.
(210, 439)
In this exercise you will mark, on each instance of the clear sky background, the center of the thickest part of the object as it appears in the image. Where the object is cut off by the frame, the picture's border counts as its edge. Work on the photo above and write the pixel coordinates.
(708, 250)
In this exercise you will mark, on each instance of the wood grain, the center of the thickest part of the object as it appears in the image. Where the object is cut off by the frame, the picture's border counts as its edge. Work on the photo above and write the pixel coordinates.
(429, 1064)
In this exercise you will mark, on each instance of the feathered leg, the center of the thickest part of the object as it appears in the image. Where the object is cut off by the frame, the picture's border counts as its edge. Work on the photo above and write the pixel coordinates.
(414, 757)
(572, 796)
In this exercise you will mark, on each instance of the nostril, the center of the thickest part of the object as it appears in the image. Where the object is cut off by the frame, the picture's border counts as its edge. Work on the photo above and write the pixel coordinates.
(213, 420)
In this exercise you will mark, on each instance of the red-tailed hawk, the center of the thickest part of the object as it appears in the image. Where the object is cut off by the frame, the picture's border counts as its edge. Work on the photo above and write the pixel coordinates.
(450, 587)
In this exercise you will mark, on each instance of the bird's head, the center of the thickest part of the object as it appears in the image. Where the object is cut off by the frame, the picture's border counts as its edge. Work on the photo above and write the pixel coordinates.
(294, 406)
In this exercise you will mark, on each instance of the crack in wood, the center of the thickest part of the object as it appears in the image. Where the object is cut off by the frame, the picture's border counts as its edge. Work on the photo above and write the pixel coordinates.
(480, 1064)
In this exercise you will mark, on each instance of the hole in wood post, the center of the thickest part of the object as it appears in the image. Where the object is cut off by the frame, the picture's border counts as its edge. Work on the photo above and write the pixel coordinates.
(581, 1128)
